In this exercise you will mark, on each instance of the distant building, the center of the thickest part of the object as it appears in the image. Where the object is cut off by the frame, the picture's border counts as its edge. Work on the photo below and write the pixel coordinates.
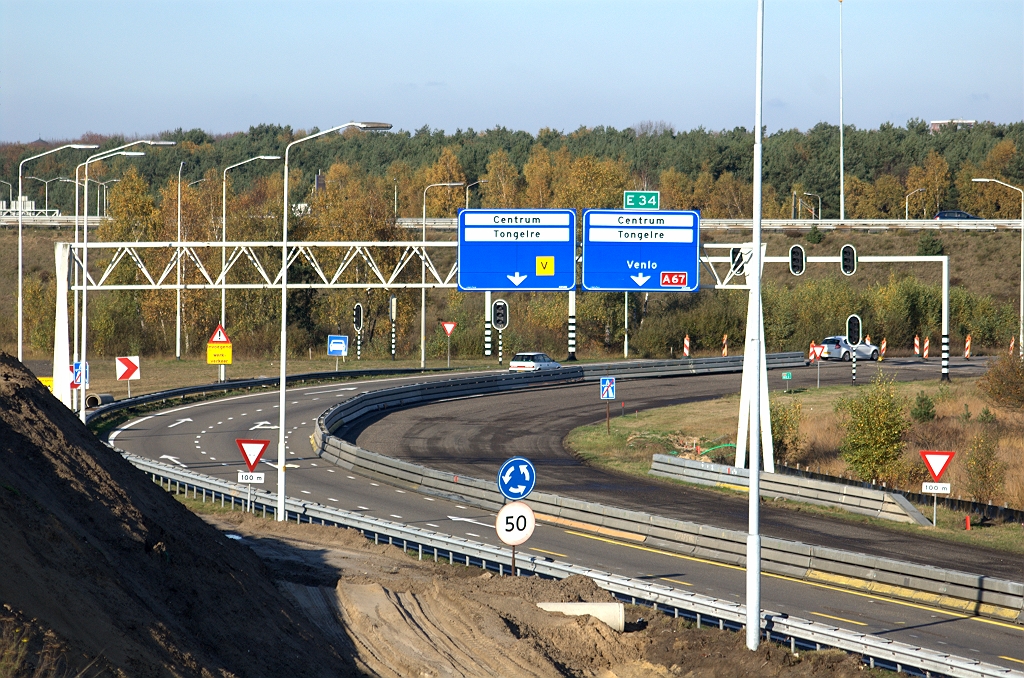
(937, 125)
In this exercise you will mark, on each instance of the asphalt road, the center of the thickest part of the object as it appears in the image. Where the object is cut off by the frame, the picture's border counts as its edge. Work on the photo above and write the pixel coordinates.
(475, 435)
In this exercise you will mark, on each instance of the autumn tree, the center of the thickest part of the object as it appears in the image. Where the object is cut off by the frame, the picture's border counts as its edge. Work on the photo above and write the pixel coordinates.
(933, 177)
(989, 200)
(504, 185)
(538, 173)
(445, 201)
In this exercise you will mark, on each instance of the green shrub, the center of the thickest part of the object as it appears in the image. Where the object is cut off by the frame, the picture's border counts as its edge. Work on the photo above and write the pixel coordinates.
(814, 236)
(786, 430)
(986, 416)
(965, 416)
(874, 427)
(985, 473)
(1003, 382)
(924, 408)
(929, 246)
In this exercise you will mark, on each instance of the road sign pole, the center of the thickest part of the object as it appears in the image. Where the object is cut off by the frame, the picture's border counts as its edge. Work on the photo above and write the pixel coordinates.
(572, 326)
(608, 416)
(487, 324)
(935, 510)
(753, 562)
(819, 372)
(359, 345)
(449, 350)
(501, 349)
(854, 364)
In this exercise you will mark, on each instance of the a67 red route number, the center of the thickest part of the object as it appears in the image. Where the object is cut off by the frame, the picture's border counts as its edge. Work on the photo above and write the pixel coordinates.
(673, 279)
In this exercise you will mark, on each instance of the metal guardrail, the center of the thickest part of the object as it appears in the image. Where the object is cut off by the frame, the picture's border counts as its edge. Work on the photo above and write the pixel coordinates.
(451, 224)
(866, 501)
(248, 383)
(795, 632)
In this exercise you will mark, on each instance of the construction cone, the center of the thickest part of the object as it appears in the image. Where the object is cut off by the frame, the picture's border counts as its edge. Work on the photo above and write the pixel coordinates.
(881, 351)
(925, 356)
(917, 345)
(686, 346)
(1011, 344)
(867, 339)
(967, 348)
(810, 351)
(725, 345)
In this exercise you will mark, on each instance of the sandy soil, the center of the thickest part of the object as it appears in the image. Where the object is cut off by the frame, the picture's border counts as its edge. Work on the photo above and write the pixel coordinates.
(425, 619)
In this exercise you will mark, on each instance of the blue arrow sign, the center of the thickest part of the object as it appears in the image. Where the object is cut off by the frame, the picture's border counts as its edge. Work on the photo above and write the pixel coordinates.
(607, 388)
(337, 345)
(641, 251)
(516, 478)
(517, 250)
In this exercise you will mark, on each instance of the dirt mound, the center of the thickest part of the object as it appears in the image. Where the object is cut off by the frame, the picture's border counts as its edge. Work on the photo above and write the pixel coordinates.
(117, 569)
(426, 619)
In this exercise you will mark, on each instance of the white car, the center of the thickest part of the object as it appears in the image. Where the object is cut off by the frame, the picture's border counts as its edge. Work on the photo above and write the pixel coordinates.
(531, 362)
(837, 348)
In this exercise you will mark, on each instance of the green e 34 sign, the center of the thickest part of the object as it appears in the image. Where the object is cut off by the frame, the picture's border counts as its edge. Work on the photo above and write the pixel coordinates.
(641, 200)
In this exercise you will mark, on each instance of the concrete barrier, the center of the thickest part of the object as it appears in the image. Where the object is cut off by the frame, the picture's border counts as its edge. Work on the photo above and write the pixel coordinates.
(865, 501)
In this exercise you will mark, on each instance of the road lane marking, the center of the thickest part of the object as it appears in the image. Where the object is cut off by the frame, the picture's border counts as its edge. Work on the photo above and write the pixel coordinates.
(842, 619)
(470, 534)
(331, 499)
(396, 516)
(819, 585)
(1011, 659)
(565, 522)
(362, 508)
(431, 525)
(675, 581)
(550, 553)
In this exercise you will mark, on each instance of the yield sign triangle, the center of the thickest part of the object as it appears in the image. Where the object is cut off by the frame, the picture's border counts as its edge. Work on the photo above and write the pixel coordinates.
(449, 327)
(251, 451)
(219, 336)
(937, 462)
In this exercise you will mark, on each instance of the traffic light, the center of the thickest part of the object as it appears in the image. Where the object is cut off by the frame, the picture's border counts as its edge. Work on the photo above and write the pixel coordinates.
(499, 314)
(797, 260)
(736, 255)
(853, 330)
(357, 317)
(848, 260)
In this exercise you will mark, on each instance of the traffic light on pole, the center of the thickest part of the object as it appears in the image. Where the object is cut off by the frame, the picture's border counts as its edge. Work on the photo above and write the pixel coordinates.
(357, 317)
(499, 314)
(853, 330)
(736, 256)
(848, 260)
(797, 260)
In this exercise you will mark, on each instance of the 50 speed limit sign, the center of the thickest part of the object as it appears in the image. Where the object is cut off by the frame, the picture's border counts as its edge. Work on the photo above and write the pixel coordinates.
(515, 523)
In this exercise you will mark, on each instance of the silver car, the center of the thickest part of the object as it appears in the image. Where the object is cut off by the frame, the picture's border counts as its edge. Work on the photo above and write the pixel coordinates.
(531, 362)
(837, 348)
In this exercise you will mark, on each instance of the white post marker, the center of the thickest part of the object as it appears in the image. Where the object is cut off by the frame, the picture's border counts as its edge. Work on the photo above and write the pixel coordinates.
(515, 524)
(128, 370)
(449, 327)
(937, 463)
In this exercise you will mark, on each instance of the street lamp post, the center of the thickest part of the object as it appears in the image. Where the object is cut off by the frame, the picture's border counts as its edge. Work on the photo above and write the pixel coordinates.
(103, 184)
(906, 203)
(10, 193)
(815, 195)
(1020, 334)
(177, 267)
(281, 460)
(224, 240)
(21, 206)
(423, 271)
(842, 164)
(85, 249)
(46, 189)
(469, 186)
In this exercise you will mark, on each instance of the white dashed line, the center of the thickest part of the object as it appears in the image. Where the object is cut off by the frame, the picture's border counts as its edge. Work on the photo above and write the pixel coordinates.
(213, 458)
(431, 525)
(306, 492)
(351, 477)
(473, 535)
(396, 516)
(375, 484)
(363, 508)
(400, 491)
(331, 499)
(461, 507)
(330, 470)
(428, 498)
(312, 464)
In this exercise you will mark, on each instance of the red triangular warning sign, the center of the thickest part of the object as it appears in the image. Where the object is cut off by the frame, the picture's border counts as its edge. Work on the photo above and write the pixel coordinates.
(219, 336)
(449, 327)
(937, 462)
(251, 451)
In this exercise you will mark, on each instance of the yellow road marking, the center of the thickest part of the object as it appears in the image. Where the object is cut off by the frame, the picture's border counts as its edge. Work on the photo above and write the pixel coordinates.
(819, 585)
(1011, 659)
(842, 619)
(565, 522)
(676, 581)
(550, 553)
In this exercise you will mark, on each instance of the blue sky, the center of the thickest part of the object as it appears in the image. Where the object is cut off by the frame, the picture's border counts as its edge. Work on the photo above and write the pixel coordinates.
(144, 66)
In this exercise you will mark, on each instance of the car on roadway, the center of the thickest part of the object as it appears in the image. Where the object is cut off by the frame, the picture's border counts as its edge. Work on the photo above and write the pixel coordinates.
(837, 348)
(955, 214)
(531, 362)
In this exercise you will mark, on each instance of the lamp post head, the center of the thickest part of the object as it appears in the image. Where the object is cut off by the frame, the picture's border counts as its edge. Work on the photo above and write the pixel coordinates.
(159, 143)
(269, 157)
(983, 181)
(133, 154)
(82, 146)
(373, 125)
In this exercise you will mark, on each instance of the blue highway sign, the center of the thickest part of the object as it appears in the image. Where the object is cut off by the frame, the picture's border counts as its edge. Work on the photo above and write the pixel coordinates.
(337, 345)
(641, 251)
(517, 478)
(607, 388)
(517, 250)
